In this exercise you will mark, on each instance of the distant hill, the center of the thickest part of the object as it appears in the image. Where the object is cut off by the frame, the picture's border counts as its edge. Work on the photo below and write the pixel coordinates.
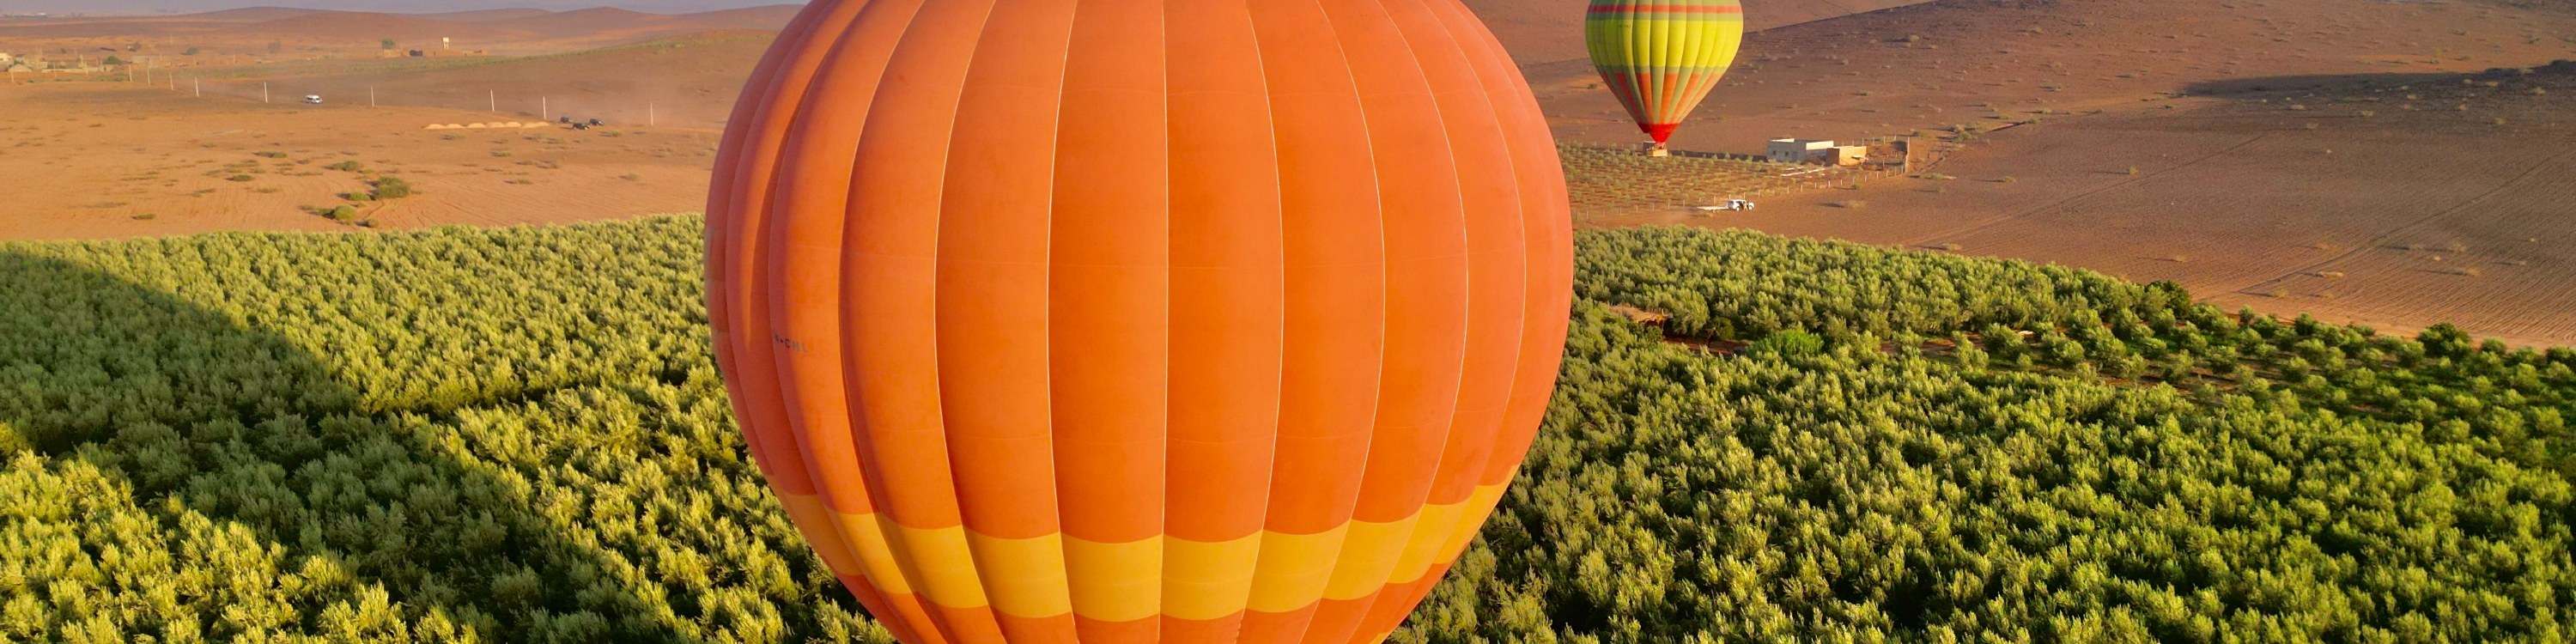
(303, 30)
(486, 15)
(171, 7)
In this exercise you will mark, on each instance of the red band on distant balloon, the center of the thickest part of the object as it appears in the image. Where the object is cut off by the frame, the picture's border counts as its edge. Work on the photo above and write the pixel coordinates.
(1661, 132)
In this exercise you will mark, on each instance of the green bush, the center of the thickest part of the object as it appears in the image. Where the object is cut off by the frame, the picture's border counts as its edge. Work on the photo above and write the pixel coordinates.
(391, 188)
(1789, 342)
(518, 435)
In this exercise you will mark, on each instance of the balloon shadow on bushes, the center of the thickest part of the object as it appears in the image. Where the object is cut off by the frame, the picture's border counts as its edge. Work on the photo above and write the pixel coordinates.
(203, 414)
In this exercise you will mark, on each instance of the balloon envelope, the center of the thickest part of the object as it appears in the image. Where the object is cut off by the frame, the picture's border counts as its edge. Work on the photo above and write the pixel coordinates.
(1660, 57)
(1128, 321)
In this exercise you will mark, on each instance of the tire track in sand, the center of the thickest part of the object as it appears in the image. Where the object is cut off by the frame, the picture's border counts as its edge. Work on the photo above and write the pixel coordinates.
(2393, 233)
(1990, 224)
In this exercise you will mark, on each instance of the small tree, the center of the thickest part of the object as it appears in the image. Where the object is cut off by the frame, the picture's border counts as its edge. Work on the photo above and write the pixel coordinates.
(392, 188)
(1789, 343)
(192, 51)
(275, 46)
(112, 61)
(389, 44)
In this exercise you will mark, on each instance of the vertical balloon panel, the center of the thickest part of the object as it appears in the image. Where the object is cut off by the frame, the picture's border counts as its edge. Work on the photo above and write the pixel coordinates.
(1138, 321)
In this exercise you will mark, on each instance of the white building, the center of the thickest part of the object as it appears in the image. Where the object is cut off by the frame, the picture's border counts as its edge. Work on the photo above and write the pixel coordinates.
(1816, 151)
(1797, 150)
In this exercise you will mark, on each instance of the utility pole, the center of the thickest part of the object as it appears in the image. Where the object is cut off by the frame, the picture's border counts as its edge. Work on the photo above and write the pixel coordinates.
(263, 91)
(199, 83)
(651, 118)
(371, 96)
(495, 97)
(544, 113)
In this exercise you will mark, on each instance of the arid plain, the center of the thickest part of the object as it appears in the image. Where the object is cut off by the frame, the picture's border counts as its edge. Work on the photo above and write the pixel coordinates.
(2353, 159)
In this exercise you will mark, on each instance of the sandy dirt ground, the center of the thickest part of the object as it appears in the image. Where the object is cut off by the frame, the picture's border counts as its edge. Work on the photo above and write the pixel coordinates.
(2261, 153)
(1930, 66)
(2288, 155)
(2286, 201)
(104, 160)
(243, 36)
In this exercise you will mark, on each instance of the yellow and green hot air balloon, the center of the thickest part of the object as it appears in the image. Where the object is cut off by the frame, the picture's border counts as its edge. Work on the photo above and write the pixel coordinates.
(1662, 56)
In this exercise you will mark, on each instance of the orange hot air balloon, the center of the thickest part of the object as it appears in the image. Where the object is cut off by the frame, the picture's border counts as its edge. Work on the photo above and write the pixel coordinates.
(1135, 321)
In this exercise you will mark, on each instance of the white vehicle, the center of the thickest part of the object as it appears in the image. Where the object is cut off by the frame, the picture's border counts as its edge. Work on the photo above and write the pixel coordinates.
(314, 99)
(1731, 204)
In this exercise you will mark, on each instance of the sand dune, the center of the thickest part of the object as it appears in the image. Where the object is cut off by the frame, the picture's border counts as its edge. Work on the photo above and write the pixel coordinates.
(309, 33)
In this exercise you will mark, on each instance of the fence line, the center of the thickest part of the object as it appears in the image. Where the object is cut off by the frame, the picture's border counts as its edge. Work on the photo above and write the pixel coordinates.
(290, 91)
(1610, 182)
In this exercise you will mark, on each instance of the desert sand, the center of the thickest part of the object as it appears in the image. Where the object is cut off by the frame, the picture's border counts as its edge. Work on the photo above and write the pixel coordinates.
(2291, 156)
(2386, 204)
(104, 160)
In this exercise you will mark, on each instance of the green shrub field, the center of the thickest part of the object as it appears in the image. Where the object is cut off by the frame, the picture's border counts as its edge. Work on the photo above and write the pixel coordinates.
(517, 435)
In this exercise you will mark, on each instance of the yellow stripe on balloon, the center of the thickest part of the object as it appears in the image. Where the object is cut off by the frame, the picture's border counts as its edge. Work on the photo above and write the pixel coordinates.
(1209, 580)
(810, 515)
(937, 561)
(1480, 506)
(1294, 568)
(1430, 531)
(1116, 582)
(1053, 575)
(1366, 558)
(1024, 577)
